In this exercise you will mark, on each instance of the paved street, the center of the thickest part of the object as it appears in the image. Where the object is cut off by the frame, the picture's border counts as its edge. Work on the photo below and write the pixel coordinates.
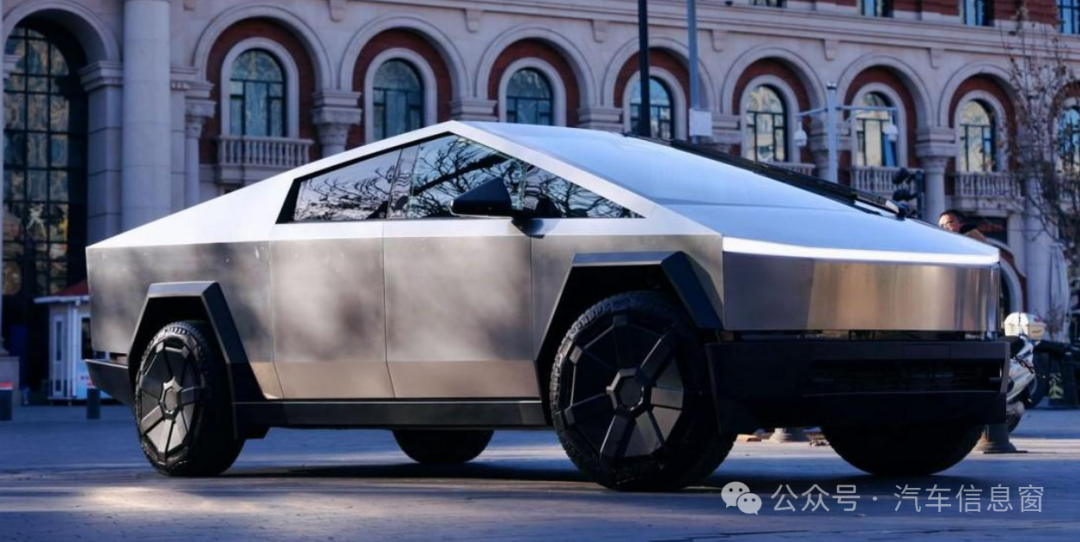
(65, 478)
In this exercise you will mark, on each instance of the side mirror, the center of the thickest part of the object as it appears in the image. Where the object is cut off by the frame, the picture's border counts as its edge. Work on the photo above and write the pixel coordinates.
(488, 199)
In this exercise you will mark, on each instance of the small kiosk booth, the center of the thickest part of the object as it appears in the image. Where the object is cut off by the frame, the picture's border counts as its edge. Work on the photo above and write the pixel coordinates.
(69, 342)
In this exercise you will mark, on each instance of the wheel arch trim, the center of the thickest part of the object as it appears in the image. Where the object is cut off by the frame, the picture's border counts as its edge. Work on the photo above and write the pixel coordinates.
(683, 275)
(689, 282)
(208, 299)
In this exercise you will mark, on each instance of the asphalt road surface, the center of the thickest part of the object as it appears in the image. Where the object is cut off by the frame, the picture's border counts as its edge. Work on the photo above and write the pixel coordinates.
(65, 478)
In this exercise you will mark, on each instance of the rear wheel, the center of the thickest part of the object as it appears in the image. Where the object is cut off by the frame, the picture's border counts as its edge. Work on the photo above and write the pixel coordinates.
(442, 447)
(903, 450)
(182, 403)
(629, 396)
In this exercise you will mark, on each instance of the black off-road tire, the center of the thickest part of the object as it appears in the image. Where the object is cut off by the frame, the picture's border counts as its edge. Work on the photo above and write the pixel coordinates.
(442, 447)
(903, 450)
(183, 410)
(630, 398)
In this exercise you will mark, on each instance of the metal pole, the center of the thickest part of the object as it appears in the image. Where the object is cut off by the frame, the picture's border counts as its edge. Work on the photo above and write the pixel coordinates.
(7, 401)
(831, 133)
(93, 403)
(644, 127)
(691, 24)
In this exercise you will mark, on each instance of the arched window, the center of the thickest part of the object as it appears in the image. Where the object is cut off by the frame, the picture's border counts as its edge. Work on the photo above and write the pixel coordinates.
(765, 133)
(660, 108)
(977, 137)
(398, 99)
(529, 99)
(257, 94)
(1068, 129)
(875, 147)
(44, 167)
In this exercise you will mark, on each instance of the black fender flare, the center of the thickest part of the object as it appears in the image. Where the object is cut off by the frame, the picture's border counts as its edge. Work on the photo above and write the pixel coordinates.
(168, 302)
(594, 276)
(688, 281)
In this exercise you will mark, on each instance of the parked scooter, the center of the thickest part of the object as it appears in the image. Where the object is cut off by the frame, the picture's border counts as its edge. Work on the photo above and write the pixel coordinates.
(1027, 331)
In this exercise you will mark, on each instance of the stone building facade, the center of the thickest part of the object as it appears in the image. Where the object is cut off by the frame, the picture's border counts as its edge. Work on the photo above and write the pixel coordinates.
(121, 111)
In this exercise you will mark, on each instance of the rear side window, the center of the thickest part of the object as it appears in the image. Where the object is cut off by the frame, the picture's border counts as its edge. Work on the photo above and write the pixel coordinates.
(359, 191)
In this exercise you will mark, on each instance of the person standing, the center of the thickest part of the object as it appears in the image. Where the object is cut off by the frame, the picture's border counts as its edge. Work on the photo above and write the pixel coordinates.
(954, 221)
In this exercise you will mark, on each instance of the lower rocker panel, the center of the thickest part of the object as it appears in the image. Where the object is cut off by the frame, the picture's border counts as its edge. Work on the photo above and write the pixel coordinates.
(392, 414)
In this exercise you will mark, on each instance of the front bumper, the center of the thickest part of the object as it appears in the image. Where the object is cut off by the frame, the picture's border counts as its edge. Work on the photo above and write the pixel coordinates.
(808, 383)
(113, 378)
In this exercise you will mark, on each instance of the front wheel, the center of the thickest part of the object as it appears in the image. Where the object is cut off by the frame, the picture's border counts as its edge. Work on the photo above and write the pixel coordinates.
(903, 450)
(629, 396)
(442, 447)
(182, 403)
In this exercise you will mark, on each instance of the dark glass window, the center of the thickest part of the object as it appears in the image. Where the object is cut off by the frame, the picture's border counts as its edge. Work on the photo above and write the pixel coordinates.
(876, 8)
(44, 165)
(977, 139)
(660, 106)
(551, 196)
(876, 149)
(1069, 140)
(1069, 16)
(257, 94)
(765, 134)
(977, 12)
(445, 168)
(768, 3)
(529, 99)
(358, 191)
(398, 99)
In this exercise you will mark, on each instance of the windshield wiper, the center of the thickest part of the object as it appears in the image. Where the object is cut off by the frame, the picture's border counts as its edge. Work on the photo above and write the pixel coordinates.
(835, 191)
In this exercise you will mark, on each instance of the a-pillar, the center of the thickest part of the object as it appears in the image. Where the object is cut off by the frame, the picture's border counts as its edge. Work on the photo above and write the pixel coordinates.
(335, 113)
(196, 113)
(146, 188)
(934, 147)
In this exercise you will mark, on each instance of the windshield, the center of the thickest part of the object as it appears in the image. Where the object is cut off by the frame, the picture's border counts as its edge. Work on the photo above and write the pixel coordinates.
(663, 174)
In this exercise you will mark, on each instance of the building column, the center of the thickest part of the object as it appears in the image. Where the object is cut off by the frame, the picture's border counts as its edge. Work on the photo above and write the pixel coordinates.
(1037, 246)
(103, 83)
(335, 113)
(196, 112)
(817, 142)
(608, 119)
(933, 148)
(146, 190)
(474, 109)
(726, 132)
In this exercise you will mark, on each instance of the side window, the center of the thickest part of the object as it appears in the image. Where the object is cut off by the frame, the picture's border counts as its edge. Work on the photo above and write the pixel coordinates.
(447, 167)
(358, 191)
(551, 196)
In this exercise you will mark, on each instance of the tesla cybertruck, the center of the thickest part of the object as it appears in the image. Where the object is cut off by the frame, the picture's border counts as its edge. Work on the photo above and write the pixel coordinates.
(648, 300)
